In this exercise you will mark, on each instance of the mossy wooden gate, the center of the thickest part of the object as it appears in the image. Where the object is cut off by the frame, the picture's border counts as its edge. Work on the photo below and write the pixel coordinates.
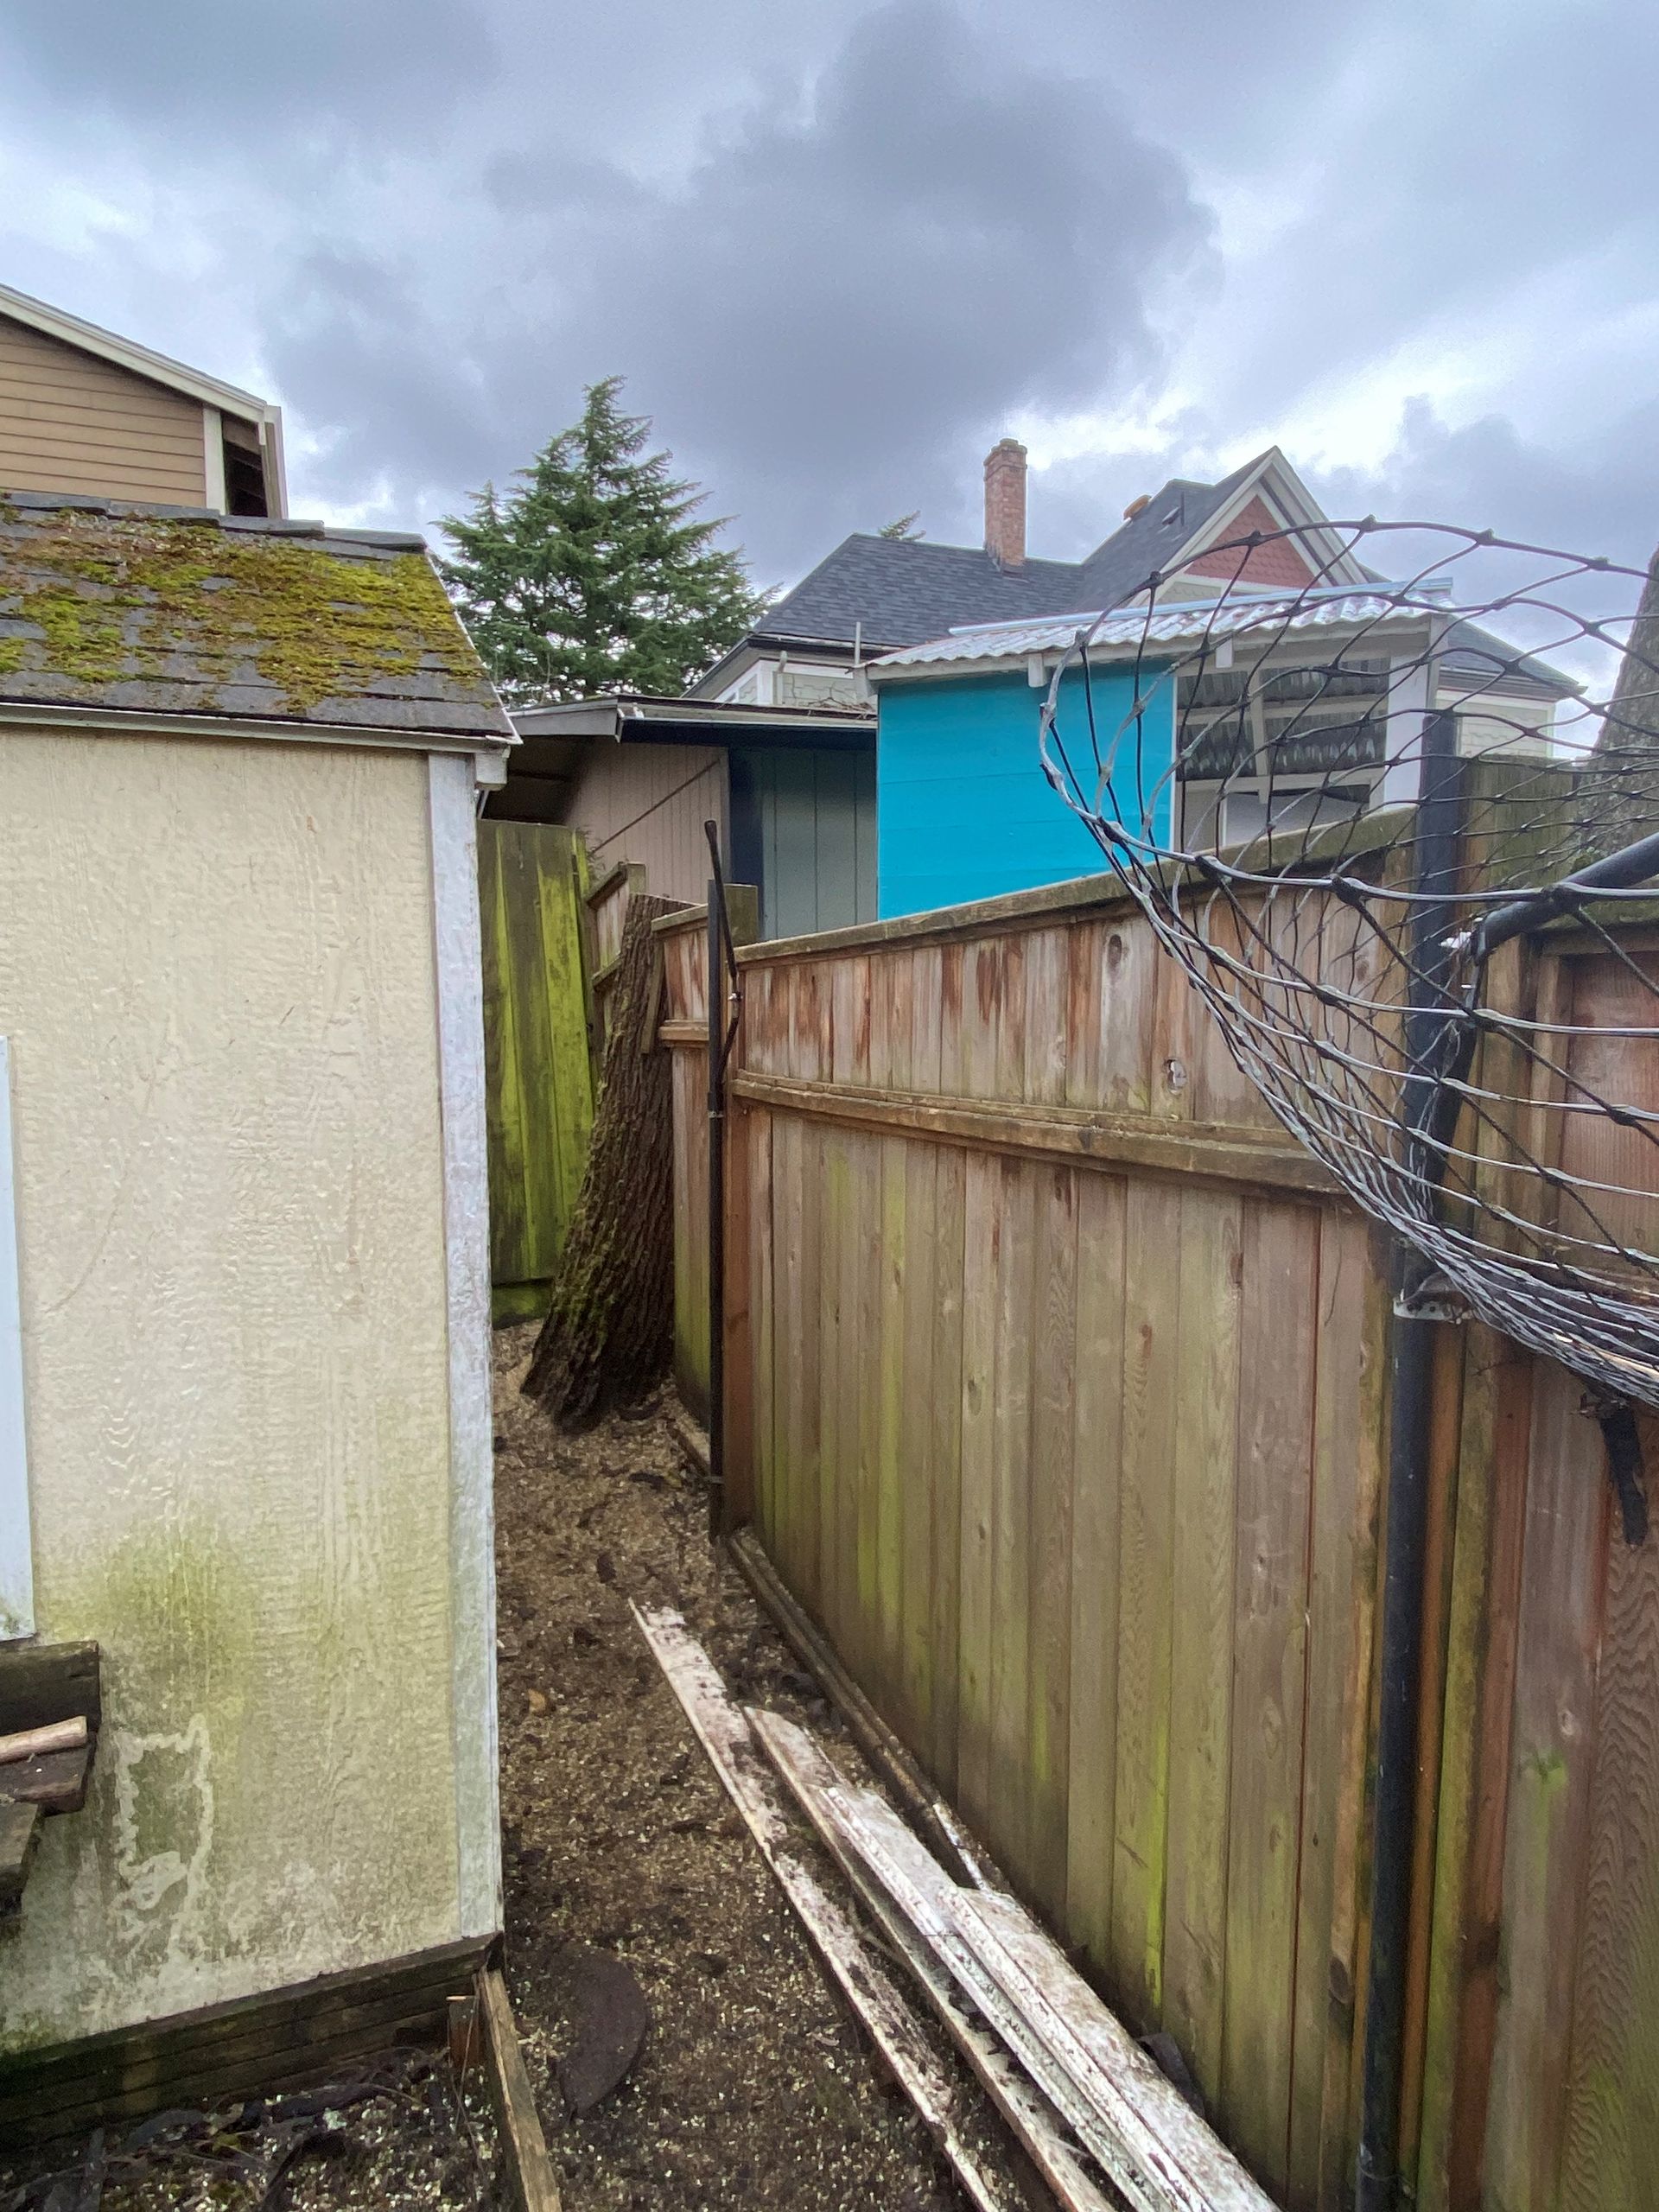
(533, 884)
(1056, 1391)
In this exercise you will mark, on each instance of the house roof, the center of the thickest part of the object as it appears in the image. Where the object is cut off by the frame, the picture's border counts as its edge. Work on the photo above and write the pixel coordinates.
(159, 368)
(169, 611)
(1181, 622)
(897, 592)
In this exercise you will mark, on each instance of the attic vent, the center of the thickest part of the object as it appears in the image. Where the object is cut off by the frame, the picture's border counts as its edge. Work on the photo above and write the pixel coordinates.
(1176, 513)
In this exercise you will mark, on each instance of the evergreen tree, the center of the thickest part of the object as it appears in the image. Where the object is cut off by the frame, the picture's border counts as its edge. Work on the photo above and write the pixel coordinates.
(904, 527)
(593, 574)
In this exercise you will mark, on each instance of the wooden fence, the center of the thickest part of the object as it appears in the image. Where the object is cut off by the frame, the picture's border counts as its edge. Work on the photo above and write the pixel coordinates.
(1056, 1392)
(533, 883)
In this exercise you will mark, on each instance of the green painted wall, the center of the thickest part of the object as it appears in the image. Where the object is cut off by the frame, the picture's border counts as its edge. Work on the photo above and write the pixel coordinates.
(803, 829)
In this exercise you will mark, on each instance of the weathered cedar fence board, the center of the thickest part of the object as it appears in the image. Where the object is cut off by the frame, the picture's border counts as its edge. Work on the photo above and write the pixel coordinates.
(607, 901)
(532, 887)
(1056, 1390)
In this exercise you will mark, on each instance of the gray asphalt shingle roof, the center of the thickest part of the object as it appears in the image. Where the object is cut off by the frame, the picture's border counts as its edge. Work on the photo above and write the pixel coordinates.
(902, 592)
(173, 611)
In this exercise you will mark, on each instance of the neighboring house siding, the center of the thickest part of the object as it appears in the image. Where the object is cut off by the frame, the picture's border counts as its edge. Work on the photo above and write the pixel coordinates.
(647, 803)
(965, 809)
(804, 828)
(1279, 561)
(230, 1161)
(72, 423)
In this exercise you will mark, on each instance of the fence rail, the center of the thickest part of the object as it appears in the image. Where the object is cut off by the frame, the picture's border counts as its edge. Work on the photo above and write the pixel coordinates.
(1056, 1394)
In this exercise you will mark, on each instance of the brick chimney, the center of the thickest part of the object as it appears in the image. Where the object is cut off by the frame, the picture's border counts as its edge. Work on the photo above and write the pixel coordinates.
(1005, 503)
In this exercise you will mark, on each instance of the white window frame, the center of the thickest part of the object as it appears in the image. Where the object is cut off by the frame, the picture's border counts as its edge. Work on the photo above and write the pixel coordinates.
(17, 1548)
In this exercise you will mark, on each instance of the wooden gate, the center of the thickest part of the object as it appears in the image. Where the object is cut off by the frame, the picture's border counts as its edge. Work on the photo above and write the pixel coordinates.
(532, 881)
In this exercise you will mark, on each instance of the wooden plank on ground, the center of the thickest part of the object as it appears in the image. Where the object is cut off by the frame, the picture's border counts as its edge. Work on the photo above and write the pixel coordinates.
(853, 1962)
(529, 2169)
(814, 1781)
(1150, 2143)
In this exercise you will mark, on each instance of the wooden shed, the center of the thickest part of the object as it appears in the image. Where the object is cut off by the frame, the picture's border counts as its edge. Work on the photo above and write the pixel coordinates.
(245, 1414)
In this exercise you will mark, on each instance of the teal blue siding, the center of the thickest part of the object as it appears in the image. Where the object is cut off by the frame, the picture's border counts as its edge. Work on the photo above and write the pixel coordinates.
(804, 829)
(966, 811)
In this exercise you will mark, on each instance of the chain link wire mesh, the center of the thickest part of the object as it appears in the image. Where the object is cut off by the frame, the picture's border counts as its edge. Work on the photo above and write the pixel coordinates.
(1394, 822)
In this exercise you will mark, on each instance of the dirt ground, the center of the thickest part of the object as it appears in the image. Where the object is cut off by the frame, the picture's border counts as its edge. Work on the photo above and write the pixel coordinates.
(754, 2088)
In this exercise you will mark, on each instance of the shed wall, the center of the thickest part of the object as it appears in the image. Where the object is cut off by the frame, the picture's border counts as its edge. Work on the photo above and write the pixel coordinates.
(72, 423)
(217, 972)
(647, 803)
(803, 832)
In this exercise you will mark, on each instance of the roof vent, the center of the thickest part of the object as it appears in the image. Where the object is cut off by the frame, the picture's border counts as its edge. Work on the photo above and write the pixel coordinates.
(1137, 506)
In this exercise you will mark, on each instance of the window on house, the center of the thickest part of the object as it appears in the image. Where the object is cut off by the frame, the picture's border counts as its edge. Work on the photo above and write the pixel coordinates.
(245, 470)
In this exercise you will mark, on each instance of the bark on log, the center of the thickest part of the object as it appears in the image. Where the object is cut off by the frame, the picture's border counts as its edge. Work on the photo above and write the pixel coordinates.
(609, 1332)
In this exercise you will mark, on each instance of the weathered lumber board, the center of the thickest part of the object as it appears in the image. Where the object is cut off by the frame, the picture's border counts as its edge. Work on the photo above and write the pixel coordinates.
(40, 1683)
(812, 1781)
(248, 2045)
(1150, 2145)
(887, 2015)
(19, 1836)
(529, 2171)
(1161, 1145)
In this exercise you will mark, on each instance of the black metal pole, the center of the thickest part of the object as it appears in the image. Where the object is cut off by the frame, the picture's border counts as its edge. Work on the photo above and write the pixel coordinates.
(716, 1210)
(1430, 1011)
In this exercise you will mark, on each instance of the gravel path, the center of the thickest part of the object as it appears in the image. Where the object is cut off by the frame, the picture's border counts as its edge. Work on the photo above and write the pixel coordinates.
(754, 2088)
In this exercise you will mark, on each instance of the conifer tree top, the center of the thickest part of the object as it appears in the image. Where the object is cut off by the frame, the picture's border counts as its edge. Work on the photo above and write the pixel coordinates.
(594, 573)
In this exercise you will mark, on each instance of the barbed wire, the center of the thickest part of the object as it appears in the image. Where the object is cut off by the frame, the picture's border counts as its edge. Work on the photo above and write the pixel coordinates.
(1390, 819)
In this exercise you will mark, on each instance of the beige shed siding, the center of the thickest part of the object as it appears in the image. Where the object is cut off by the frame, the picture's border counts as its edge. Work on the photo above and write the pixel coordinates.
(217, 972)
(648, 804)
(72, 423)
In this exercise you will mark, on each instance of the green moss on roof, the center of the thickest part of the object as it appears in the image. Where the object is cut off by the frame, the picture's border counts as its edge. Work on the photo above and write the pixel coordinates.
(129, 608)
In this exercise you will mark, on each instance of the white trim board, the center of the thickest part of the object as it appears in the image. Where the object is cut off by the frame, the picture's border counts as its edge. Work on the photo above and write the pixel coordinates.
(452, 829)
(16, 1554)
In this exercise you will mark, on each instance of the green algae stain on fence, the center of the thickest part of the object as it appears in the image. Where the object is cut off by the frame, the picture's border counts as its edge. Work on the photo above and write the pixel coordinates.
(538, 1076)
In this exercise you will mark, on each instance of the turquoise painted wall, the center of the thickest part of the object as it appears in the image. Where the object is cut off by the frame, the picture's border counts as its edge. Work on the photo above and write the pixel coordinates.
(963, 809)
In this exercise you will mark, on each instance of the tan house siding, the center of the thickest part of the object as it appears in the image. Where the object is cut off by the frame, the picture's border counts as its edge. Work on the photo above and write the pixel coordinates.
(72, 423)
(647, 803)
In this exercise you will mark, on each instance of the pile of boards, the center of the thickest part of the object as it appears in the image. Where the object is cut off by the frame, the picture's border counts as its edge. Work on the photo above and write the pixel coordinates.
(49, 1714)
(1102, 2125)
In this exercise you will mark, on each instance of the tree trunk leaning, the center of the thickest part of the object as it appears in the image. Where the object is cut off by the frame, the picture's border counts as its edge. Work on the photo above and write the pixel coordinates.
(609, 1332)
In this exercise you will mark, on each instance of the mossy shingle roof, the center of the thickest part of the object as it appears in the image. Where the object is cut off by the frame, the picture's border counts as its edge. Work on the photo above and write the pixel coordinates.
(172, 612)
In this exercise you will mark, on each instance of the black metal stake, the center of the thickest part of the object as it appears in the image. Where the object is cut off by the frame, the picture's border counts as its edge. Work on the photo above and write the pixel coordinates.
(1431, 1031)
(716, 1221)
(725, 987)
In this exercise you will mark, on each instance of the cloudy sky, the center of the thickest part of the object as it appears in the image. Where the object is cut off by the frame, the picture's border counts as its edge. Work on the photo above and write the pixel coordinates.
(837, 249)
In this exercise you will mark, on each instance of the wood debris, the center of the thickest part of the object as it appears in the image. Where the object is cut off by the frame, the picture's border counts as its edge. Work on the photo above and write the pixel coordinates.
(1136, 2124)
(852, 1959)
